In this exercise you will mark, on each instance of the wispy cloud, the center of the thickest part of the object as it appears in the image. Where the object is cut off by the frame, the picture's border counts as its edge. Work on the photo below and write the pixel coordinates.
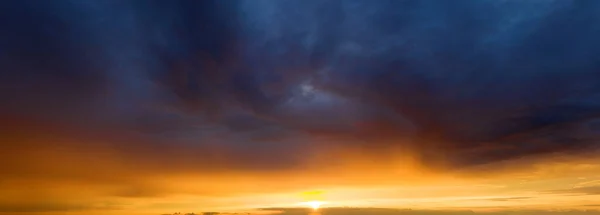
(386, 211)
(591, 190)
(510, 198)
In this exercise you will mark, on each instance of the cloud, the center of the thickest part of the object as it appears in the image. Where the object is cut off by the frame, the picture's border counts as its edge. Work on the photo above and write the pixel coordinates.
(589, 190)
(510, 198)
(52, 207)
(483, 94)
(119, 91)
(387, 211)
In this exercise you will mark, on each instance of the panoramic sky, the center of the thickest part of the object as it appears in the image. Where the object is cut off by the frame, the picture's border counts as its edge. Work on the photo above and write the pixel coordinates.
(149, 107)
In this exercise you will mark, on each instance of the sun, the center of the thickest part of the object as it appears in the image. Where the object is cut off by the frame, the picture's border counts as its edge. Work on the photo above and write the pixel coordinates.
(315, 205)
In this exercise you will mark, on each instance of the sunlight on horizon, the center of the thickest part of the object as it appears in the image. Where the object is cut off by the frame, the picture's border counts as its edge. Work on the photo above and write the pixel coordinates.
(315, 205)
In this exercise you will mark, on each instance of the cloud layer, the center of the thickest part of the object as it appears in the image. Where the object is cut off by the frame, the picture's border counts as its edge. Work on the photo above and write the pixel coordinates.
(93, 88)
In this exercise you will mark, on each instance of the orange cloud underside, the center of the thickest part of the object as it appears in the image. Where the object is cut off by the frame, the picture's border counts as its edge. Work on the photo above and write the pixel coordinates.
(54, 175)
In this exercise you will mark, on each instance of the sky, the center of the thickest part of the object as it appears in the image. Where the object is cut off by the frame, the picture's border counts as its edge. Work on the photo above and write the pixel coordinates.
(427, 107)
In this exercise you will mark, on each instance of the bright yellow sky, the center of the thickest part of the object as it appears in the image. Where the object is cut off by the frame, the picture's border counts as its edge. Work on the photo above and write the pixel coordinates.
(550, 186)
(547, 185)
(66, 179)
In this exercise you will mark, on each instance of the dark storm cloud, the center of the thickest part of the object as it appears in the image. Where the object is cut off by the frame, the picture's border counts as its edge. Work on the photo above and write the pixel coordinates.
(461, 83)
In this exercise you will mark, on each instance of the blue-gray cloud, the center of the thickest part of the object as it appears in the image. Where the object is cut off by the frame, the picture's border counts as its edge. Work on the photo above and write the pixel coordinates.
(462, 83)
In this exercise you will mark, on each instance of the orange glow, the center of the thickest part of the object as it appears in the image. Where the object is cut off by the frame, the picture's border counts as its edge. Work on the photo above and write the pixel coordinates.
(113, 185)
(315, 205)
